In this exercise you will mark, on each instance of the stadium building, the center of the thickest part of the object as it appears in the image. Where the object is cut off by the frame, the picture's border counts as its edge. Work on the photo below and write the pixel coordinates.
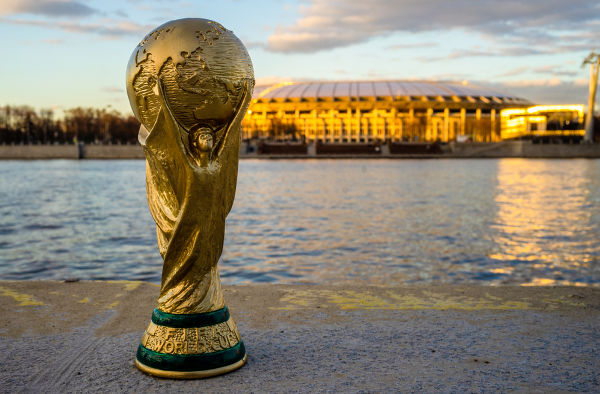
(367, 111)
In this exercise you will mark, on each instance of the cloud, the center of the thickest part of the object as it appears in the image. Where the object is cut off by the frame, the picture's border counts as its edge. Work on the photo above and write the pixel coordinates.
(328, 24)
(514, 71)
(54, 41)
(122, 14)
(546, 91)
(272, 80)
(253, 44)
(18, 12)
(555, 70)
(415, 45)
(107, 28)
(113, 89)
(57, 8)
(506, 51)
(534, 82)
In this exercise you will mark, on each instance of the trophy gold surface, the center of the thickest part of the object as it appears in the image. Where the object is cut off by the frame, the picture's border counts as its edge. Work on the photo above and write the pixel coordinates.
(189, 83)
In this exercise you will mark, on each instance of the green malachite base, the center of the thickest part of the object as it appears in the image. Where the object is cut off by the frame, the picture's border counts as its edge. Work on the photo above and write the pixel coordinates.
(190, 320)
(190, 366)
(190, 346)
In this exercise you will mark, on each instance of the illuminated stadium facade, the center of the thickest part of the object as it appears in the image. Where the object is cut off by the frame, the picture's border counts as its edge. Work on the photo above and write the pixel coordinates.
(367, 111)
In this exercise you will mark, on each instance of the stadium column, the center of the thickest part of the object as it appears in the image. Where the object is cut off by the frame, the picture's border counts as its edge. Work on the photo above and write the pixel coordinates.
(331, 126)
(400, 128)
(446, 124)
(429, 126)
(393, 119)
(493, 133)
(384, 125)
(337, 129)
(348, 127)
(463, 121)
(381, 125)
(358, 124)
(478, 125)
(374, 128)
(411, 123)
(326, 118)
(334, 132)
(313, 127)
(323, 121)
(297, 123)
(281, 120)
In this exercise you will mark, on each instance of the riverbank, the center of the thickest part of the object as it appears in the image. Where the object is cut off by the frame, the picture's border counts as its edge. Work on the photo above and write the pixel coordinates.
(517, 149)
(82, 336)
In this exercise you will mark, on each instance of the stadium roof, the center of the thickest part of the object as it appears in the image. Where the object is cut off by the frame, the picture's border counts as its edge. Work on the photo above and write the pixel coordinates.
(395, 88)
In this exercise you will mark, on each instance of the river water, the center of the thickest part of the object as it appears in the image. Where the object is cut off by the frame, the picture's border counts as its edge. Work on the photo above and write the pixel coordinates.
(505, 221)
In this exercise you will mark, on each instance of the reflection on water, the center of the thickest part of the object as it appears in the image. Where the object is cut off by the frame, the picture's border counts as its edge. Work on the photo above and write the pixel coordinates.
(319, 221)
(546, 211)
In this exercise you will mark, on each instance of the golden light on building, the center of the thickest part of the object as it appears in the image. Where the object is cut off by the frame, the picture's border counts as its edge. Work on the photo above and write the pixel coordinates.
(543, 121)
(366, 111)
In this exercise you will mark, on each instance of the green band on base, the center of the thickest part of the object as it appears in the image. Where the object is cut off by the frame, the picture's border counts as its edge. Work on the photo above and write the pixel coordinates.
(190, 320)
(191, 362)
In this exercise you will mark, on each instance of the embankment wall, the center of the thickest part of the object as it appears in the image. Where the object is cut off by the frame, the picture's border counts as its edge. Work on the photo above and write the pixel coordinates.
(521, 149)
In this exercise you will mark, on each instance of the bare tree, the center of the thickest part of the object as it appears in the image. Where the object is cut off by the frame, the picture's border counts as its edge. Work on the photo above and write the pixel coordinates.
(23, 125)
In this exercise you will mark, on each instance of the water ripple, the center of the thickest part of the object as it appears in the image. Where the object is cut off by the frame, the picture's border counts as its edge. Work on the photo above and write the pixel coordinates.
(506, 221)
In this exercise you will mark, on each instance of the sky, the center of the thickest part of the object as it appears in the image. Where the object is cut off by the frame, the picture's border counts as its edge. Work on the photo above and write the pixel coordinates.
(61, 54)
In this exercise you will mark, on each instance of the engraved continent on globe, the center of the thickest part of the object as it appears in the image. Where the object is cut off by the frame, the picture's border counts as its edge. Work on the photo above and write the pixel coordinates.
(202, 68)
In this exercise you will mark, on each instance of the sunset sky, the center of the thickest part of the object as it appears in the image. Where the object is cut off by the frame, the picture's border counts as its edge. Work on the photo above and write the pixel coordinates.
(62, 54)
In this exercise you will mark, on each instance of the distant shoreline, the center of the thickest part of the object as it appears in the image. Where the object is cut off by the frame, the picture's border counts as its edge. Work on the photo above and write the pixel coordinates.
(505, 149)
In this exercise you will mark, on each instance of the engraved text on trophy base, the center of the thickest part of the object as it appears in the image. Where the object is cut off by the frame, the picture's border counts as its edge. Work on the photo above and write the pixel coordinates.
(193, 340)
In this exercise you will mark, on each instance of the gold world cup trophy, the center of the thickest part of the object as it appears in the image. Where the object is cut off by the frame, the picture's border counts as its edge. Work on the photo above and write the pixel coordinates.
(189, 83)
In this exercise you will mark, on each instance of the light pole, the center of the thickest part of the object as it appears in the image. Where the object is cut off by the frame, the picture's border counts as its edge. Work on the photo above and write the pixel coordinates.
(593, 60)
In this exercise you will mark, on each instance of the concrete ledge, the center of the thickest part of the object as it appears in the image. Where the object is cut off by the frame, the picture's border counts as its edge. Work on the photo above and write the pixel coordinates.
(63, 337)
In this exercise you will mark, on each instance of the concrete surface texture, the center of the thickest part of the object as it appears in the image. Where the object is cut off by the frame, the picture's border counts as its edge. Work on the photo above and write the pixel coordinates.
(82, 337)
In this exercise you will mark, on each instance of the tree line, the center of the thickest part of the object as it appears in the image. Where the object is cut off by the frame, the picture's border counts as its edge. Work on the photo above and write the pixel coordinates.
(22, 125)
